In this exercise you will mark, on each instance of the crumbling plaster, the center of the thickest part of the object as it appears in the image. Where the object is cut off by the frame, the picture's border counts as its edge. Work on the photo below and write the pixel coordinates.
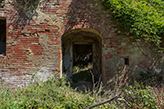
(52, 19)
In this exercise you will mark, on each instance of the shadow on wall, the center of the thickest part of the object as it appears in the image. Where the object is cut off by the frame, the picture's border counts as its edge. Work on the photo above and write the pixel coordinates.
(82, 14)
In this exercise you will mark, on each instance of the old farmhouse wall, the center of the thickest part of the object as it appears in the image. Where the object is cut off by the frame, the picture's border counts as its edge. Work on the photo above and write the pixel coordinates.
(37, 39)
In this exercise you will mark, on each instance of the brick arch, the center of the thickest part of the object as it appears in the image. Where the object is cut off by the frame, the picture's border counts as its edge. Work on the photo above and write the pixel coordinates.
(83, 30)
(81, 36)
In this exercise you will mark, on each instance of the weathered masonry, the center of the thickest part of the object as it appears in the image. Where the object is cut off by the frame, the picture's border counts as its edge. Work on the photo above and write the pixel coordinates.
(46, 39)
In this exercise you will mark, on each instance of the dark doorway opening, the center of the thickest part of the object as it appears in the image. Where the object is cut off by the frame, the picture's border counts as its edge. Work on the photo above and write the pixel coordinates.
(3, 36)
(82, 62)
(82, 54)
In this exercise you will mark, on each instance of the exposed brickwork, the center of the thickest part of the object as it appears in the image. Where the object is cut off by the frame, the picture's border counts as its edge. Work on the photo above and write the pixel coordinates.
(32, 43)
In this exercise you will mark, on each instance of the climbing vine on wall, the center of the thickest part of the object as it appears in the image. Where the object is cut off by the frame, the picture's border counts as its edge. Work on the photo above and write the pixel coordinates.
(143, 18)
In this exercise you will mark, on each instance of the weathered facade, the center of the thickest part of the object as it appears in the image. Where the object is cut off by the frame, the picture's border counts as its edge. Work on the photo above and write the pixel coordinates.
(41, 40)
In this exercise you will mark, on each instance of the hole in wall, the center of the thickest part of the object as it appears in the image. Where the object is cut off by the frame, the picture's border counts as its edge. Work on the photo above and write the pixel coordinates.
(3, 36)
(47, 30)
(126, 61)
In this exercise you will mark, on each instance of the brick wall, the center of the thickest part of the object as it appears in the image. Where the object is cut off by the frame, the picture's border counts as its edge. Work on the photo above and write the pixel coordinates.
(36, 42)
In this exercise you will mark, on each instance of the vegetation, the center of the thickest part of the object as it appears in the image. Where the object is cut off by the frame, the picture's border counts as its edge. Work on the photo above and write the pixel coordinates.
(81, 72)
(142, 18)
(82, 76)
(54, 94)
(150, 78)
(57, 94)
(139, 96)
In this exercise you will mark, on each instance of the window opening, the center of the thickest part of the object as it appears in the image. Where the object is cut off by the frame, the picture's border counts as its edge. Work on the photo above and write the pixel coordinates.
(3, 36)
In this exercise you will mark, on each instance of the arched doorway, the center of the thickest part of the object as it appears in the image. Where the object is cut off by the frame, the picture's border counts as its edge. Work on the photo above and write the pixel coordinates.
(81, 48)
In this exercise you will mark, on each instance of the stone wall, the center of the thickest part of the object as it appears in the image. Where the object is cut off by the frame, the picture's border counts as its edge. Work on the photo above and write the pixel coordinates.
(33, 41)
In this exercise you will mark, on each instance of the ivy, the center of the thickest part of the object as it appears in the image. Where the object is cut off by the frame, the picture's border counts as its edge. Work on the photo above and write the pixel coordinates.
(143, 18)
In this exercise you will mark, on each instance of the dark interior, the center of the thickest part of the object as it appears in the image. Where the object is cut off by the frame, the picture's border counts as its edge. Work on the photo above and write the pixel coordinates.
(2, 37)
(82, 58)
